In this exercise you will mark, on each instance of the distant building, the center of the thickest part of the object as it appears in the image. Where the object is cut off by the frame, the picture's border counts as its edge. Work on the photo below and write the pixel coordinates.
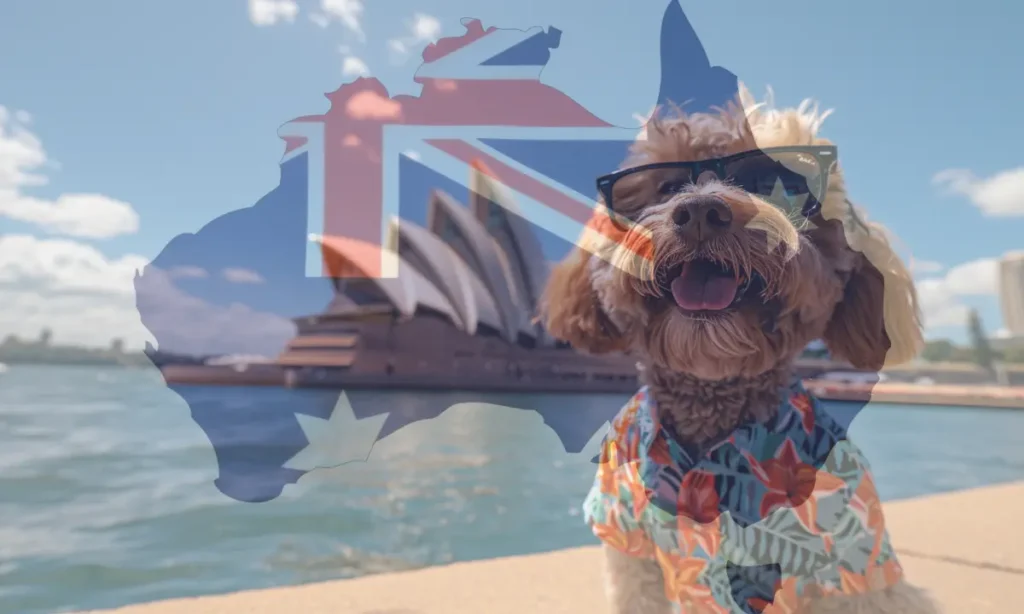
(1011, 292)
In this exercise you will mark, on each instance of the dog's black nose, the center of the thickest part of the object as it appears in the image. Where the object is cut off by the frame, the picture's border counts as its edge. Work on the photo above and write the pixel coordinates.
(702, 217)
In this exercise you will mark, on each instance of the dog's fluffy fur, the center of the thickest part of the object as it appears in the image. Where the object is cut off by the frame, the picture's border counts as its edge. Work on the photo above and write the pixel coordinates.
(838, 280)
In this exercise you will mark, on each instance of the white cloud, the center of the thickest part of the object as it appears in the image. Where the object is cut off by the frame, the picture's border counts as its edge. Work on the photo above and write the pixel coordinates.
(185, 324)
(423, 29)
(187, 272)
(88, 299)
(21, 152)
(974, 278)
(83, 296)
(348, 12)
(1000, 195)
(93, 216)
(940, 296)
(926, 266)
(354, 67)
(320, 19)
(398, 47)
(242, 276)
(426, 27)
(271, 12)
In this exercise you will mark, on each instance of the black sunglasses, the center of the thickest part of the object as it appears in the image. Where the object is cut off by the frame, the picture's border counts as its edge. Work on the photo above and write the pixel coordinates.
(802, 172)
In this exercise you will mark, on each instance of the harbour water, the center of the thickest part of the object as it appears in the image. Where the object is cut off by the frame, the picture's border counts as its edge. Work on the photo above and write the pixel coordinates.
(107, 496)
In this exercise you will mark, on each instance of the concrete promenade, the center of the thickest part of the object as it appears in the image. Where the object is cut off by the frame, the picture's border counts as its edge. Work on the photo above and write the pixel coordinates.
(992, 397)
(966, 547)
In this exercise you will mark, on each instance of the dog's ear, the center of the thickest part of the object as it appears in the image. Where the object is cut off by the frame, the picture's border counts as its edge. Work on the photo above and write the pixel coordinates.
(877, 323)
(571, 311)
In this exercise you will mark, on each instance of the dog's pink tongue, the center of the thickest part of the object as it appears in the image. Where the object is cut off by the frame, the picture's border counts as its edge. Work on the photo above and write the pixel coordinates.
(703, 286)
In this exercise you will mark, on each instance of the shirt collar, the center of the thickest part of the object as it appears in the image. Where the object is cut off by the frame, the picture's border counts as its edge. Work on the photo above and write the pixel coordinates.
(775, 423)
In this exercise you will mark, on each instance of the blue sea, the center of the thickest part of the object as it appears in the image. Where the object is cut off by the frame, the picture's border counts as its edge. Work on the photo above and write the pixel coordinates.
(107, 496)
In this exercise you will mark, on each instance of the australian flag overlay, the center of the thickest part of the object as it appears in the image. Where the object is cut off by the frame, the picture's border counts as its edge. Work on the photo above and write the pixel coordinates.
(233, 287)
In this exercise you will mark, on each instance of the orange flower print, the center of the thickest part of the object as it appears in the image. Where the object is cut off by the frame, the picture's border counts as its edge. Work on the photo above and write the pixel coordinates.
(607, 470)
(802, 404)
(606, 482)
(828, 542)
(791, 482)
(629, 478)
(698, 513)
(865, 500)
(620, 425)
(698, 499)
(659, 452)
(681, 576)
(682, 583)
(632, 543)
(885, 575)
(633, 447)
(824, 484)
(699, 600)
(866, 504)
(852, 583)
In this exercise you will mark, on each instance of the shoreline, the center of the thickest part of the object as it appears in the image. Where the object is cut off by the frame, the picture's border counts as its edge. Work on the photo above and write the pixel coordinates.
(982, 397)
(968, 566)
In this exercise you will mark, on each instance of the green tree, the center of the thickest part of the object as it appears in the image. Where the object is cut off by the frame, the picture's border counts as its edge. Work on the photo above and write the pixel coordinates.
(1014, 355)
(938, 351)
(983, 354)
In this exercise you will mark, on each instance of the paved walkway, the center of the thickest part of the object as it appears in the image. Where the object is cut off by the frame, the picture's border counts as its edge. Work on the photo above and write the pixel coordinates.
(966, 547)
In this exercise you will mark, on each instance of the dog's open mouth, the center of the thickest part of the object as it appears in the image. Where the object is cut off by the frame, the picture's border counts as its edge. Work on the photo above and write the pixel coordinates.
(705, 286)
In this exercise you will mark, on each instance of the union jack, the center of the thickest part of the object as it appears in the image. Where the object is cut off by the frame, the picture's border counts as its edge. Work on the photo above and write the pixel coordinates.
(373, 157)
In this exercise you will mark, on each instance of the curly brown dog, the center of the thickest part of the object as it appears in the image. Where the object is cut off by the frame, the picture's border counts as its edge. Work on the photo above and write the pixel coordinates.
(724, 245)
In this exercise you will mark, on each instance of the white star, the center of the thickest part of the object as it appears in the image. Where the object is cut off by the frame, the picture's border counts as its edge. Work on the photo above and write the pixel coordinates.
(774, 233)
(782, 198)
(338, 440)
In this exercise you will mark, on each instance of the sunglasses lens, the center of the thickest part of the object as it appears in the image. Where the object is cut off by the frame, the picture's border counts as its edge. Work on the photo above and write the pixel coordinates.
(793, 181)
(630, 193)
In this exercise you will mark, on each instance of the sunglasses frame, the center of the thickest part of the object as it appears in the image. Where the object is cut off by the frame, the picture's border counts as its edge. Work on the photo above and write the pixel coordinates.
(826, 156)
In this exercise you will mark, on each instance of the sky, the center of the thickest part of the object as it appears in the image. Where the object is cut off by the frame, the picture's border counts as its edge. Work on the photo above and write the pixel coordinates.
(124, 124)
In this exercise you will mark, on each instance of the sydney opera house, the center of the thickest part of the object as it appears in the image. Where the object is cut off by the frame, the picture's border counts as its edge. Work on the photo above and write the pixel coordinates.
(460, 312)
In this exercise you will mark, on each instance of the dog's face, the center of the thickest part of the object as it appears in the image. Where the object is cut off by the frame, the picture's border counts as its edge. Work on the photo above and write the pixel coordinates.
(736, 278)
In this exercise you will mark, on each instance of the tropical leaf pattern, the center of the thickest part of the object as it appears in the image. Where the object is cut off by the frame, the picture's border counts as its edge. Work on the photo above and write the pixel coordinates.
(777, 512)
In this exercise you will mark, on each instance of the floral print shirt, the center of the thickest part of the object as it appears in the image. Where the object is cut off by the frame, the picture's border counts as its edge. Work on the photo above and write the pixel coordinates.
(757, 523)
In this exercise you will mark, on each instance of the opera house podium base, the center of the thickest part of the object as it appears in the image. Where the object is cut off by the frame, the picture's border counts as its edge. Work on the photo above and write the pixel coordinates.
(281, 376)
